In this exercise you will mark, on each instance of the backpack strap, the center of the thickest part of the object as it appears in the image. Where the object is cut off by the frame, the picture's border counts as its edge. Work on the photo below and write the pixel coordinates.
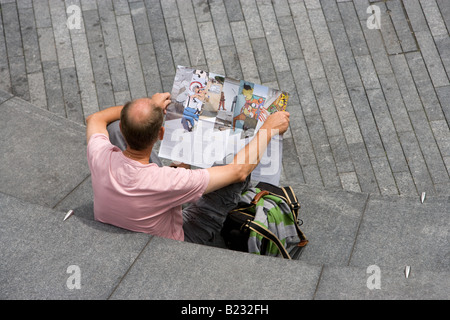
(291, 199)
(268, 235)
(295, 206)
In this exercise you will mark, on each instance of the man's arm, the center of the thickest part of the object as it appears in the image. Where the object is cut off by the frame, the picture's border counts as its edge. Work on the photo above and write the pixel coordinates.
(248, 158)
(97, 122)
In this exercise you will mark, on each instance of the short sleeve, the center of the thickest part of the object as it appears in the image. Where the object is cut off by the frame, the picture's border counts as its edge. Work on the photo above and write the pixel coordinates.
(97, 143)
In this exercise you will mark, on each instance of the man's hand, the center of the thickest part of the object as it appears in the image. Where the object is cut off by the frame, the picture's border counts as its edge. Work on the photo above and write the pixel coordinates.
(278, 121)
(162, 100)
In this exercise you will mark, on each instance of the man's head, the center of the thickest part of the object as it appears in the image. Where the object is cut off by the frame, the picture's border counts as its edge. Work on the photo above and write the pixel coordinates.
(141, 123)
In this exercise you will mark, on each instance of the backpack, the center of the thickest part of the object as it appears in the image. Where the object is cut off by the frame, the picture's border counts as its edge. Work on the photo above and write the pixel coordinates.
(265, 222)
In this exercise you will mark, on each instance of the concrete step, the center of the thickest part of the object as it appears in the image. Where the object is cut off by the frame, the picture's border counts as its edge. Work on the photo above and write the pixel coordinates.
(356, 229)
(37, 249)
(43, 155)
(372, 283)
(188, 271)
(44, 257)
(64, 123)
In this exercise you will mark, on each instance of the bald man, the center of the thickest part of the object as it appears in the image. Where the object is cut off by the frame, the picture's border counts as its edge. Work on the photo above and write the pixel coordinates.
(133, 192)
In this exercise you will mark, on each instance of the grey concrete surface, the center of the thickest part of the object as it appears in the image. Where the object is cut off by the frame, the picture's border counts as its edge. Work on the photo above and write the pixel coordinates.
(38, 249)
(403, 231)
(171, 270)
(41, 151)
(350, 283)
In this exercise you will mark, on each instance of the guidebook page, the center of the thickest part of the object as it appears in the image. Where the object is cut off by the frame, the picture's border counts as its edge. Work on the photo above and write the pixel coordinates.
(212, 117)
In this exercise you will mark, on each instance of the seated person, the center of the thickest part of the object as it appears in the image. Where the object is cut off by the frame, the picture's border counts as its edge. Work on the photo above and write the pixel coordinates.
(133, 192)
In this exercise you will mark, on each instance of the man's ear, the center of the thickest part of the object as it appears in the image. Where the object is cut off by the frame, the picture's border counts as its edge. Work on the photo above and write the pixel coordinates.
(161, 133)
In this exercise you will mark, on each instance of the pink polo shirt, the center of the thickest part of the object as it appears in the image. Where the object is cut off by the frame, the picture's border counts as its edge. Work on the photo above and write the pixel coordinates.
(139, 197)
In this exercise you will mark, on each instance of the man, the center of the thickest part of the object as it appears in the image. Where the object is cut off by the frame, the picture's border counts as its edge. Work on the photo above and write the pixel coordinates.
(134, 194)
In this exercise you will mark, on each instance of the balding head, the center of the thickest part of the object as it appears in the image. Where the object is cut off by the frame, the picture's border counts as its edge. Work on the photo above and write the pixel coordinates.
(141, 121)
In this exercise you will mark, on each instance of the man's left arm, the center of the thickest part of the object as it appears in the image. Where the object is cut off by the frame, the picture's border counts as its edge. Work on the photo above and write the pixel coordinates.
(97, 122)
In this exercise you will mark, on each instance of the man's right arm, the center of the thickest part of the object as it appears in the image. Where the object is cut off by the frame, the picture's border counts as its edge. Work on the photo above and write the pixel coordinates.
(98, 122)
(248, 158)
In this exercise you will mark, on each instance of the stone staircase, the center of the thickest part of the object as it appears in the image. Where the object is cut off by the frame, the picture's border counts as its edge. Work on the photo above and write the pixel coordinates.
(44, 174)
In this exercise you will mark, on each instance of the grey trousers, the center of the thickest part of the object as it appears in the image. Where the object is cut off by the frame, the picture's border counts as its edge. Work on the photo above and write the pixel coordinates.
(202, 220)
